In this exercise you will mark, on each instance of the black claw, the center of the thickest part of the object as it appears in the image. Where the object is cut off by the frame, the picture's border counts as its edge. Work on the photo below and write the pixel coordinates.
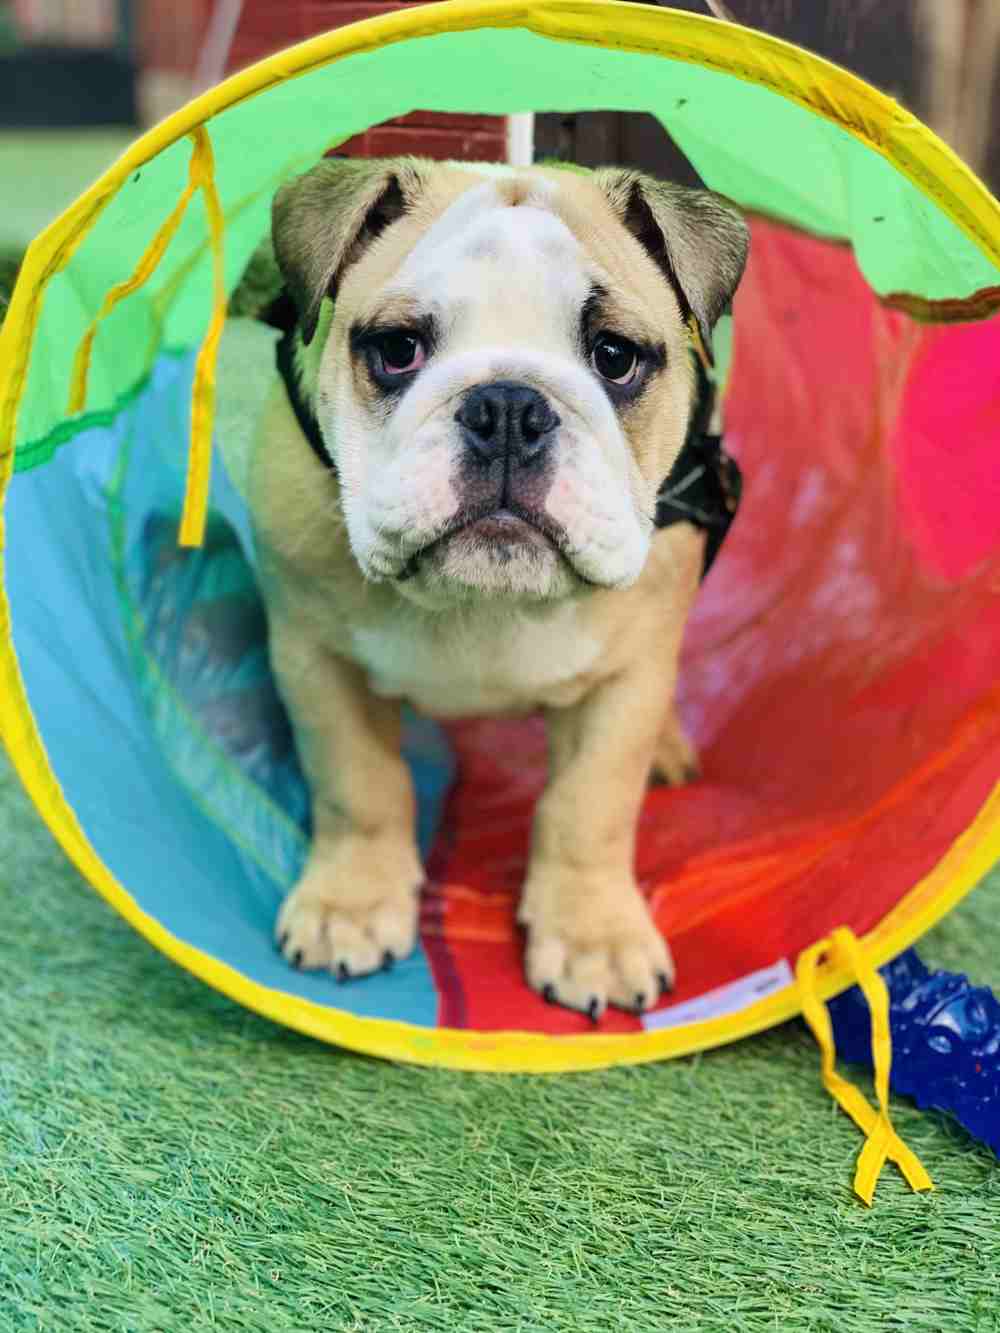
(549, 993)
(343, 973)
(388, 958)
(297, 959)
(640, 1001)
(283, 941)
(593, 1009)
(666, 985)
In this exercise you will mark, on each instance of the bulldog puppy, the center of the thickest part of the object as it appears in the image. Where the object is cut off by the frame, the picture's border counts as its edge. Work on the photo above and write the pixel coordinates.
(499, 363)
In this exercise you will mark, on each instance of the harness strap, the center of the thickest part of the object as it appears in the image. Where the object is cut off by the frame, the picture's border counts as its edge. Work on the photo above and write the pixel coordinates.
(304, 414)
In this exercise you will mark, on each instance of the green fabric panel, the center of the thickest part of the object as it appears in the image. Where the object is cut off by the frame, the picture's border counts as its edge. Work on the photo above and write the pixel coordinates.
(752, 144)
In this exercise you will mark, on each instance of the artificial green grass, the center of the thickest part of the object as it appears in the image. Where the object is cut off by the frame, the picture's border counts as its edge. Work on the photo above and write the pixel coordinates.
(10, 262)
(44, 170)
(171, 1162)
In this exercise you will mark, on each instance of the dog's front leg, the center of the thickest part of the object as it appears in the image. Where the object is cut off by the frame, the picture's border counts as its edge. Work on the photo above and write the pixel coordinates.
(355, 907)
(591, 940)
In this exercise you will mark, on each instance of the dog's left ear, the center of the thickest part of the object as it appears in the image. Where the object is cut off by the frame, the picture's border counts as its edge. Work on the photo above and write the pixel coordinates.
(324, 221)
(698, 239)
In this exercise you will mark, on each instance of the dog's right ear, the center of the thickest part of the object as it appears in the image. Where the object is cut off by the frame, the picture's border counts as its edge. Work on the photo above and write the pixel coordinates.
(323, 221)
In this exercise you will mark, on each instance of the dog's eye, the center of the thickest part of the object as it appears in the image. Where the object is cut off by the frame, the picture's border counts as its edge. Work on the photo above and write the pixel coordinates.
(615, 358)
(399, 352)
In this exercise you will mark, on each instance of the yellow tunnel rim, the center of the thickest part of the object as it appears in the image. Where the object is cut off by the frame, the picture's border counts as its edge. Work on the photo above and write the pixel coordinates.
(793, 73)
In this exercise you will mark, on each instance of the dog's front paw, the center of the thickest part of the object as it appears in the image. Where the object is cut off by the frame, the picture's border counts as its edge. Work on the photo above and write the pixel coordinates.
(593, 944)
(353, 911)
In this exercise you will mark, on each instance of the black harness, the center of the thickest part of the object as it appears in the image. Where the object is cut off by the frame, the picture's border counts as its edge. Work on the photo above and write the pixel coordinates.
(703, 487)
(705, 483)
(304, 414)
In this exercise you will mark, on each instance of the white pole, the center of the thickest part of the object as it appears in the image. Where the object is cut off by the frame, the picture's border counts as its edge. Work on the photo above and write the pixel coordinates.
(521, 139)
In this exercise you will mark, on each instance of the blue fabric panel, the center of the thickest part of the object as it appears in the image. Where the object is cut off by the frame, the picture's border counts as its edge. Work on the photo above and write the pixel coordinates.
(205, 838)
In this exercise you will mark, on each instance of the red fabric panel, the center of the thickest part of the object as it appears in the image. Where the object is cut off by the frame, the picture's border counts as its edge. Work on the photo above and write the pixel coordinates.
(951, 415)
(841, 674)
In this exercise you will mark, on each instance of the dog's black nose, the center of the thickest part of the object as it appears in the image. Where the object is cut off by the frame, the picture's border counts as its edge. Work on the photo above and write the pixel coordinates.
(506, 420)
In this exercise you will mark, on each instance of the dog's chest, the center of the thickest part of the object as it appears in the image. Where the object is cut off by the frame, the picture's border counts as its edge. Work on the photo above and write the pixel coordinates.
(480, 665)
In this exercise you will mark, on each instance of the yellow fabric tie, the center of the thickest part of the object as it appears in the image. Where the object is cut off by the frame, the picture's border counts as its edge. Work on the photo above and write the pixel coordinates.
(192, 530)
(201, 176)
(700, 350)
(883, 1141)
(143, 270)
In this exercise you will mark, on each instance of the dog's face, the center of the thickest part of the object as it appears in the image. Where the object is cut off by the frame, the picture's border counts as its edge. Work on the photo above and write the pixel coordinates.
(505, 376)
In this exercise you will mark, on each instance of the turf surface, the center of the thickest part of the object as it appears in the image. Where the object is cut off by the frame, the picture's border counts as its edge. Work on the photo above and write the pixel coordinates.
(44, 170)
(172, 1162)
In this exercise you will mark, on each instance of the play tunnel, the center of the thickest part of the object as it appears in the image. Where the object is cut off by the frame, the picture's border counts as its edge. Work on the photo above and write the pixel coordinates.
(840, 673)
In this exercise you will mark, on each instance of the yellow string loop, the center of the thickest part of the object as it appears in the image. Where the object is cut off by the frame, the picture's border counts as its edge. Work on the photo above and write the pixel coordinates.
(143, 271)
(201, 176)
(192, 528)
(883, 1142)
(700, 350)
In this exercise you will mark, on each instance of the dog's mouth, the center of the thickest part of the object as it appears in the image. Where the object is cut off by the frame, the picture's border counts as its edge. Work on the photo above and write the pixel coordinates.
(507, 528)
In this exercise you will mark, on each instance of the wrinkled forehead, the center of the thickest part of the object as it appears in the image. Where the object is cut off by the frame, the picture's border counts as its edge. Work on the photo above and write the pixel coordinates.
(488, 254)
